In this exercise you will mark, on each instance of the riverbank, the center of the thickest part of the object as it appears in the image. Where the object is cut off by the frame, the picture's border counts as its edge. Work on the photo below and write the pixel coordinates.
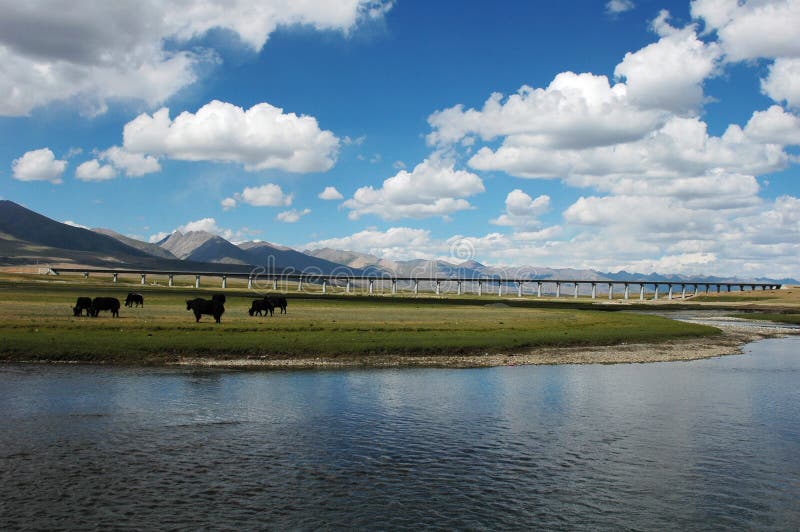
(36, 325)
(730, 342)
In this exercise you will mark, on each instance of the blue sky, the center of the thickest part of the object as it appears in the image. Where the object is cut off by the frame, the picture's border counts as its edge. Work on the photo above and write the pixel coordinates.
(645, 135)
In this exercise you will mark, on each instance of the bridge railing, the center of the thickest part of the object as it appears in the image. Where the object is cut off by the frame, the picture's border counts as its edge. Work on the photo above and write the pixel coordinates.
(260, 279)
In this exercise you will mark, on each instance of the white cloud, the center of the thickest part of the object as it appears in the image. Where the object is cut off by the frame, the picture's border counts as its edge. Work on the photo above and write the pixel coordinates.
(94, 52)
(92, 171)
(208, 225)
(269, 195)
(432, 188)
(782, 84)
(574, 111)
(38, 165)
(682, 148)
(330, 193)
(749, 30)
(668, 74)
(522, 210)
(615, 7)
(396, 243)
(291, 216)
(133, 164)
(774, 126)
(262, 137)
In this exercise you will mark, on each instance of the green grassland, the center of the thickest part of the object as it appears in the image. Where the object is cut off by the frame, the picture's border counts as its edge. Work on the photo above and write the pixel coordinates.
(36, 323)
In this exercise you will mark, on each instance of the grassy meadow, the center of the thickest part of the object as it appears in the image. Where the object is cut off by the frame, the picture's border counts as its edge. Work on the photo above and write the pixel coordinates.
(36, 323)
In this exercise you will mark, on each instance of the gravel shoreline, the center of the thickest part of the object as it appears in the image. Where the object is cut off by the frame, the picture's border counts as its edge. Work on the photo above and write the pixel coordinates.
(734, 336)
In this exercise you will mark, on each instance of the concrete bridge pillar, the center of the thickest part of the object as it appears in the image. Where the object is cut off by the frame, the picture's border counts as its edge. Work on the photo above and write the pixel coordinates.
(669, 295)
(538, 289)
(197, 281)
(655, 293)
(347, 286)
(224, 281)
(394, 286)
(718, 289)
(85, 275)
(627, 291)
(576, 291)
(499, 289)
(594, 290)
(250, 282)
(300, 284)
(458, 288)
(641, 292)
(610, 290)
(274, 283)
(324, 286)
(171, 280)
(728, 287)
(707, 288)
(480, 288)
(558, 289)
(371, 286)
(437, 288)
(144, 279)
(115, 277)
(683, 291)
(416, 287)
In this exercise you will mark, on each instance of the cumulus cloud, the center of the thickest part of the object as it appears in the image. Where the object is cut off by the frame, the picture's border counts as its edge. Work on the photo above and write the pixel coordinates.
(669, 74)
(269, 195)
(208, 225)
(433, 188)
(262, 137)
(774, 126)
(574, 111)
(291, 216)
(93, 171)
(93, 52)
(396, 243)
(330, 193)
(522, 210)
(133, 164)
(615, 7)
(754, 29)
(782, 84)
(38, 165)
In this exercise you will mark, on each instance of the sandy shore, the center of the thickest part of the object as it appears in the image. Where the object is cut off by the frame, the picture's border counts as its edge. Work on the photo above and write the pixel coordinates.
(734, 335)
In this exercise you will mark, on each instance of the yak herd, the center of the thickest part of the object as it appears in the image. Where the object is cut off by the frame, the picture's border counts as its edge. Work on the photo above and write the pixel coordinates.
(210, 307)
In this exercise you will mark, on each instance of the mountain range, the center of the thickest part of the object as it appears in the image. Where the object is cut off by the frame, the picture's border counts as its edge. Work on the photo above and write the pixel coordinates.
(27, 237)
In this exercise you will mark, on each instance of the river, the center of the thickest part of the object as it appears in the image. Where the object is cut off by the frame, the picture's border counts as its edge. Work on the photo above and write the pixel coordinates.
(704, 444)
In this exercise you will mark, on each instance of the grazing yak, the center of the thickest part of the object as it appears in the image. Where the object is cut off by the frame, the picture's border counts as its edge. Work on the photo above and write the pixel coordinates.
(83, 303)
(261, 305)
(277, 302)
(105, 303)
(218, 298)
(202, 306)
(134, 299)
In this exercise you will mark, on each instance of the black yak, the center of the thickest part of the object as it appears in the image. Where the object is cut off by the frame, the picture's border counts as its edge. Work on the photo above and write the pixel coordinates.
(105, 303)
(134, 299)
(277, 302)
(83, 303)
(259, 306)
(219, 298)
(202, 306)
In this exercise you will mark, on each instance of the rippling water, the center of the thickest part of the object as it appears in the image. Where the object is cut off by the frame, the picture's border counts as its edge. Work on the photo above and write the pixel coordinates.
(704, 444)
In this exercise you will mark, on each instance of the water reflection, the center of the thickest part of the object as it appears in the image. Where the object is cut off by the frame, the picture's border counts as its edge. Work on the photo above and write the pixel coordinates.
(698, 444)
